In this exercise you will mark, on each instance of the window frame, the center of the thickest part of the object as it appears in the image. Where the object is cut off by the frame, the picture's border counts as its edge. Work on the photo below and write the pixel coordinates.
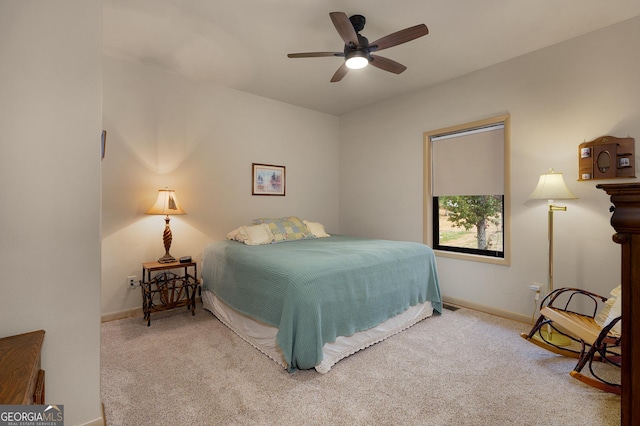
(428, 198)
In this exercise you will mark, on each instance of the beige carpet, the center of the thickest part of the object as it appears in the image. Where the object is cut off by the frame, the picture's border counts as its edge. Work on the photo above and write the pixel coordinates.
(460, 368)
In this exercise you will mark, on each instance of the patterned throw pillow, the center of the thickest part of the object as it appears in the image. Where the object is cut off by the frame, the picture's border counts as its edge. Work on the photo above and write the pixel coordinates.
(286, 228)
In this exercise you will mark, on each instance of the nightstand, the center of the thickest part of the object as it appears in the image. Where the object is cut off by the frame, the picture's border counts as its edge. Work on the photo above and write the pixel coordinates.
(167, 286)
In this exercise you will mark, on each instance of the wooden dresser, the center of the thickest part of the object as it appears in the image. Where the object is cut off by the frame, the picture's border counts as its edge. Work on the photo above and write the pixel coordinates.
(626, 221)
(21, 379)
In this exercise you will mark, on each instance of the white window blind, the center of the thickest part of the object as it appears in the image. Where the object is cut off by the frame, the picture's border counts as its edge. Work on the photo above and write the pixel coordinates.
(469, 162)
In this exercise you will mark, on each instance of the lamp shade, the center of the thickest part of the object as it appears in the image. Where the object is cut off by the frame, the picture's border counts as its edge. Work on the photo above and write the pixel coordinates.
(551, 186)
(166, 204)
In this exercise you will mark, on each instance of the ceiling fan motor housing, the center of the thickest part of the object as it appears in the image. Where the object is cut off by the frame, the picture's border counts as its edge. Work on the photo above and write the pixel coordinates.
(363, 46)
(358, 22)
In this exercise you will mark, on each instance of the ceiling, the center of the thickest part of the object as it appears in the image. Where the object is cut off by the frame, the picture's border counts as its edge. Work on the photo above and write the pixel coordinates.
(243, 44)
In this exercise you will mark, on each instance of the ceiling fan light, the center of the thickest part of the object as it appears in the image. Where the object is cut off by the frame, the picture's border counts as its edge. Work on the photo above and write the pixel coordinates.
(357, 61)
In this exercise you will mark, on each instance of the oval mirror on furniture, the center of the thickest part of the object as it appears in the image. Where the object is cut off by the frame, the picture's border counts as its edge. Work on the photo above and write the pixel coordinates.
(604, 161)
(603, 164)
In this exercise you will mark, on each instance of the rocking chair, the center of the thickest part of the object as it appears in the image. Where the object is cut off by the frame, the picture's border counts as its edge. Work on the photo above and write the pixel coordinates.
(597, 343)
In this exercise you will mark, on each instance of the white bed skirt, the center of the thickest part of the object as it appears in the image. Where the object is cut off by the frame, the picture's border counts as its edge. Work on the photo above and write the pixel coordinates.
(263, 336)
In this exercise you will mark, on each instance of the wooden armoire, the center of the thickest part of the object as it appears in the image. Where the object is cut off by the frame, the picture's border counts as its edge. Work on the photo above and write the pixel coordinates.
(626, 222)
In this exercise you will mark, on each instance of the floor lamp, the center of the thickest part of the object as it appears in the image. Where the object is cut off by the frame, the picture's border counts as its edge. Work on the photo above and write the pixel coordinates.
(551, 187)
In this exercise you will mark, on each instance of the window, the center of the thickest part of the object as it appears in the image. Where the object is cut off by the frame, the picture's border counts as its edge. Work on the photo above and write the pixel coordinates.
(466, 206)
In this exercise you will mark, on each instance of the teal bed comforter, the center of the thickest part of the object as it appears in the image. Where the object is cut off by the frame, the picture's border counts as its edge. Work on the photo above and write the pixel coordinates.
(316, 290)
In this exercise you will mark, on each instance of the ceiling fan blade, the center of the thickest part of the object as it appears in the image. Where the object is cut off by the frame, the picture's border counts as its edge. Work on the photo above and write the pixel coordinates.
(399, 37)
(314, 54)
(340, 73)
(387, 64)
(345, 27)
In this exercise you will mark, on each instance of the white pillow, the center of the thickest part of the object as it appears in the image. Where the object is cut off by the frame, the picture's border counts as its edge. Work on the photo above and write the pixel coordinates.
(602, 316)
(254, 235)
(234, 235)
(615, 312)
(317, 229)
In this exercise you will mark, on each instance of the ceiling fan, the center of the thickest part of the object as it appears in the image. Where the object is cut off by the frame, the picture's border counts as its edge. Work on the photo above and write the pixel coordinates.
(358, 52)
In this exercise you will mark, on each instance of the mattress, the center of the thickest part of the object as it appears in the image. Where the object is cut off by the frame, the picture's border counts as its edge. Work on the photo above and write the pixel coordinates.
(263, 336)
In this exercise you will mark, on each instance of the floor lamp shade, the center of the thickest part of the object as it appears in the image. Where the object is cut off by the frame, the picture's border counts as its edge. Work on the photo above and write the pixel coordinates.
(551, 186)
(166, 204)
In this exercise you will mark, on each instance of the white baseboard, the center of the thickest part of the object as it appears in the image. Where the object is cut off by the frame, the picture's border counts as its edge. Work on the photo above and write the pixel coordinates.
(97, 422)
(100, 421)
(132, 313)
(137, 312)
(129, 313)
(487, 309)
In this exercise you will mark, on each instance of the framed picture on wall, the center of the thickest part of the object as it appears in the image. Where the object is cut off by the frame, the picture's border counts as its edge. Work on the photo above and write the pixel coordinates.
(267, 179)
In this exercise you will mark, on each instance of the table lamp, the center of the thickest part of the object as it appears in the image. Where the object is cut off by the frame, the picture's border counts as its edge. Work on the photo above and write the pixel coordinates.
(166, 204)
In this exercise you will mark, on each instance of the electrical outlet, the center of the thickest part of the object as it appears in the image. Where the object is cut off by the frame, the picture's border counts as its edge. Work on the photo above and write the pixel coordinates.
(535, 287)
(132, 281)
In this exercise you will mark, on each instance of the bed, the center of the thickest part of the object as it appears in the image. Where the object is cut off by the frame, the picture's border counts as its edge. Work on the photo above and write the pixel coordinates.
(310, 302)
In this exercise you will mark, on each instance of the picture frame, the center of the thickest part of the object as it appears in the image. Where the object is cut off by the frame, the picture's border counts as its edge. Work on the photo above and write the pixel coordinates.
(268, 179)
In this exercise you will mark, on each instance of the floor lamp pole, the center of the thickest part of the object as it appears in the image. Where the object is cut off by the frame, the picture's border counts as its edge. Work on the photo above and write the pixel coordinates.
(556, 339)
(552, 208)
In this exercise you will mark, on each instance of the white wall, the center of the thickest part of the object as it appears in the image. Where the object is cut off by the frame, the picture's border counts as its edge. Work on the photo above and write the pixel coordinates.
(558, 97)
(50, 124)
(200, 139)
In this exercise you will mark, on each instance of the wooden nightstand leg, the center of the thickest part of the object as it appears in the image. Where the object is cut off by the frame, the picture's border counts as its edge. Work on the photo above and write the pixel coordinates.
(146, 306)
(191, 295)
